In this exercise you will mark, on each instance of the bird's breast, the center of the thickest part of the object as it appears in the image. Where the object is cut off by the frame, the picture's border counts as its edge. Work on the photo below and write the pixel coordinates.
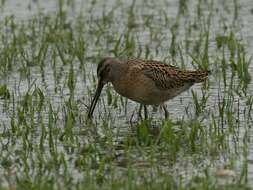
(140, 89)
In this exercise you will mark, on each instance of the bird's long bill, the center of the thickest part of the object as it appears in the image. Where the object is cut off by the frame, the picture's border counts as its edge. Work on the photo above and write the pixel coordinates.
(95, 98)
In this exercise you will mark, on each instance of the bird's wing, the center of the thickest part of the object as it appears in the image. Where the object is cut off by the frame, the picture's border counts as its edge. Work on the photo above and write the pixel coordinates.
(136, 61)
(165, 76)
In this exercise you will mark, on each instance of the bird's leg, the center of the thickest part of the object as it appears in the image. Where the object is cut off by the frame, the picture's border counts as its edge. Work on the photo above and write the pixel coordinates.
(139, 112)
(145, 112)
(166, 113)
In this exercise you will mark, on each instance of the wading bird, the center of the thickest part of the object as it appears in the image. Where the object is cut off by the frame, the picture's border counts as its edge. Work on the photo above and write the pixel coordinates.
(145, 81)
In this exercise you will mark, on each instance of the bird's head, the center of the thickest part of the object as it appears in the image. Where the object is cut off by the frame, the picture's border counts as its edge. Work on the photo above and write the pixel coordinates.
(105, 75)
(104, 70)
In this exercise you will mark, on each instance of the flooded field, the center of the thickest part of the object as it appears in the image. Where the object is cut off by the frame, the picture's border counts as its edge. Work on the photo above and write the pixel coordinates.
(49, 51)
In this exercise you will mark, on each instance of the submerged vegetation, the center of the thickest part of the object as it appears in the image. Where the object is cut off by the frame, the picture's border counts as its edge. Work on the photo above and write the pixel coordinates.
(47, 68)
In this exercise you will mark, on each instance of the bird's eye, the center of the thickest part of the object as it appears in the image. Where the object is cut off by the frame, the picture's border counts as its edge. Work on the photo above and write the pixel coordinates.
(104, 72)
(107, 69)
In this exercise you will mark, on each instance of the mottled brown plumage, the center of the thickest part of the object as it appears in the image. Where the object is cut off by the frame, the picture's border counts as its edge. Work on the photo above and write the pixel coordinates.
(145, 81)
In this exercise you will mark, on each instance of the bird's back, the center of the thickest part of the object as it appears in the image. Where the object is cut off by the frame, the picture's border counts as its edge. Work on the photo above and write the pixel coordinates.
(167, 76)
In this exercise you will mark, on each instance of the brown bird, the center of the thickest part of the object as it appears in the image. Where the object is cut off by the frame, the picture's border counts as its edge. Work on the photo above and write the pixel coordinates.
(145, 81)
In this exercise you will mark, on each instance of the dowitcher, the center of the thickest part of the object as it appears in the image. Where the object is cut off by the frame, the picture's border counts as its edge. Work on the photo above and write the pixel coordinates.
(145, 81)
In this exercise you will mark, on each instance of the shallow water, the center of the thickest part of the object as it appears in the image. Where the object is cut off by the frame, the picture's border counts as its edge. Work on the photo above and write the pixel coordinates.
(149, 28)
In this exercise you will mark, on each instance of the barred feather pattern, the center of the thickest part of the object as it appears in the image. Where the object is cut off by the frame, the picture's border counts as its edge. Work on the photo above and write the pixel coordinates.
(166, 76)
